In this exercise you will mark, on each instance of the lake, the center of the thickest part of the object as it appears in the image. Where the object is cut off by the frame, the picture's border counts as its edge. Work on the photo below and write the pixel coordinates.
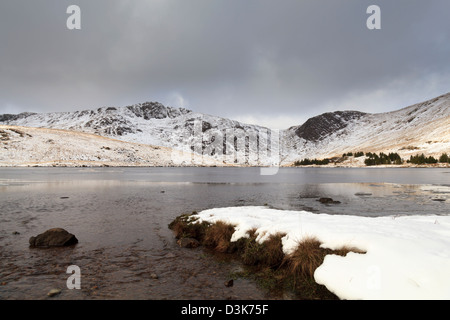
(120, 217)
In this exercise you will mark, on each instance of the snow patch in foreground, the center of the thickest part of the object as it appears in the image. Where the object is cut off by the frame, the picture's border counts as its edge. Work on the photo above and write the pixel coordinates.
(407, 257)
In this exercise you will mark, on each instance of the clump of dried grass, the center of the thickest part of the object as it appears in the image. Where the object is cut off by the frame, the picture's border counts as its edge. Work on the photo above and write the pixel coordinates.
(305, 259)
(218, 236)
(268, 253)
(187, 226)
(309, 255)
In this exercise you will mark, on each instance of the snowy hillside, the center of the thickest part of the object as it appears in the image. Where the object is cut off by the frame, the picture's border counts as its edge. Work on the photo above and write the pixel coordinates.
(154, 124)
(25, 146)
(421, 128)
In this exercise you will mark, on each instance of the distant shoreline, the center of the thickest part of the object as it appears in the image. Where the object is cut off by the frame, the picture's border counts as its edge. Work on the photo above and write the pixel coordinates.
(87, 164)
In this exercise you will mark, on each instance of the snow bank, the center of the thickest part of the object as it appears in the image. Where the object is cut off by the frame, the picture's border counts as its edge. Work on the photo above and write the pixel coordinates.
(407, 257)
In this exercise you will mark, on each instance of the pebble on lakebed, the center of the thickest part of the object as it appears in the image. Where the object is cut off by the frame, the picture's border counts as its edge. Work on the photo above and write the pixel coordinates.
(53, 292)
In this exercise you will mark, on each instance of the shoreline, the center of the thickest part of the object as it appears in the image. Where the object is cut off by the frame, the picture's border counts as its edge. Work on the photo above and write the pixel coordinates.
(89, 164)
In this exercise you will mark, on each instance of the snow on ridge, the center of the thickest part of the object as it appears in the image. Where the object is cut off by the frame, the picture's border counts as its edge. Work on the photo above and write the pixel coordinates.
(423, 127)
(407, 257)
(26, 146)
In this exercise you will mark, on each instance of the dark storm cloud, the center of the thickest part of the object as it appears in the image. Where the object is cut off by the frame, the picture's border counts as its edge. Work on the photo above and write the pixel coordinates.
(255, 60)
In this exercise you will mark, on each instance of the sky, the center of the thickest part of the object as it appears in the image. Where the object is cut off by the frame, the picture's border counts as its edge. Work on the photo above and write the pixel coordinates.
(273, 63)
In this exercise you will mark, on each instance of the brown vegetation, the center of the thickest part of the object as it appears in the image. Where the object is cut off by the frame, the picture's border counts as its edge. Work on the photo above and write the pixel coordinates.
(218, 236)
(267, 262)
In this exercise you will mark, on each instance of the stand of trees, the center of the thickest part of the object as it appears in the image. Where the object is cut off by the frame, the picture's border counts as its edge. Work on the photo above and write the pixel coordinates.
(444, 158)
(373, 159)
(351, 154)
(422, 159)
(306, 162)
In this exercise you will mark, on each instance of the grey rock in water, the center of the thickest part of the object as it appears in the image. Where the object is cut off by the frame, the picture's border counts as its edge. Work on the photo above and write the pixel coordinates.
(56, 237)
(328, 200)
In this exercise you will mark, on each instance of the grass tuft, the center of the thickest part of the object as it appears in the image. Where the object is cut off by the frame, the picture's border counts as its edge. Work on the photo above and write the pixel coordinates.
(268, 253)
(186, 226)
(218, 236)
(305, 259)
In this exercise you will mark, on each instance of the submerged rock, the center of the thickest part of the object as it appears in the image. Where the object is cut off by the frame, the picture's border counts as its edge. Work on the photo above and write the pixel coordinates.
(328, 200)
(363, 194)
(56, 237)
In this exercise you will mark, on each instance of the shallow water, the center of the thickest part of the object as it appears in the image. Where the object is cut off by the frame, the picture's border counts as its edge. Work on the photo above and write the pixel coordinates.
(120, 217)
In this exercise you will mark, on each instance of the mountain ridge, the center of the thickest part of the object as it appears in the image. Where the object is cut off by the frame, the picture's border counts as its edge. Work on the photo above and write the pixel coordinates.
(422, 127)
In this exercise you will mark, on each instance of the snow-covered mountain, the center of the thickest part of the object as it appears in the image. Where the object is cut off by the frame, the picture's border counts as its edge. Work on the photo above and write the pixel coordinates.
(155, 124)
(423, 127)
(26, 146)
(420, 128)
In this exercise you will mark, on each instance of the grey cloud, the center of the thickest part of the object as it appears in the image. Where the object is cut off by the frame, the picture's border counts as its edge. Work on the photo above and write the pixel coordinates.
(229, 58)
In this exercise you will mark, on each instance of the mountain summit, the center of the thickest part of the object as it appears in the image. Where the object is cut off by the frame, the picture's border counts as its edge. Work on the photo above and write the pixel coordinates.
(318, 128)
